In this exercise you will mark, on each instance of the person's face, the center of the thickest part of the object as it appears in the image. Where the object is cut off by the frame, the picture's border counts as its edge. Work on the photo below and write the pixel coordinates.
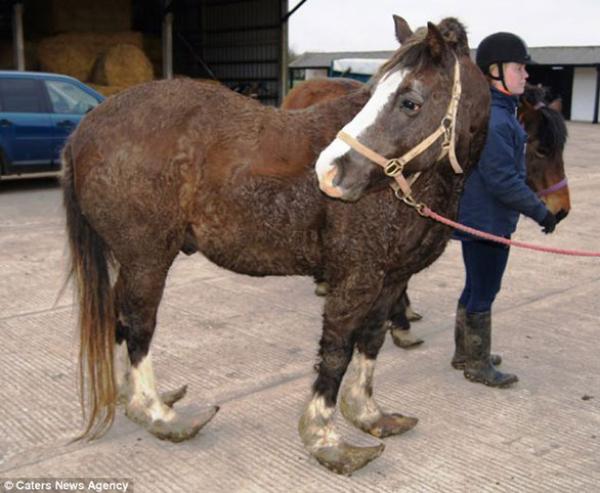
(515, 77)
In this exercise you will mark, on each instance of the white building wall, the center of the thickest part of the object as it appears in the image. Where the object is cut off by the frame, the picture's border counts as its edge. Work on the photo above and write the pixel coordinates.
(315, 73)
(584, 94)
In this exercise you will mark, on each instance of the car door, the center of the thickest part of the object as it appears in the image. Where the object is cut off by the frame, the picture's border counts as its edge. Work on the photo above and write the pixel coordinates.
(69, 104)
(25, 124)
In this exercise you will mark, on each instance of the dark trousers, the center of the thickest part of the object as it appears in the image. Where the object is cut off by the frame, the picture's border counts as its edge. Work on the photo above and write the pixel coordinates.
(485, 263)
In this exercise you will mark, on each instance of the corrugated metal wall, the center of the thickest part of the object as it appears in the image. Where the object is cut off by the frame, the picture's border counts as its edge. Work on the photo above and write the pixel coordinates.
(238, 42)
(241, 43)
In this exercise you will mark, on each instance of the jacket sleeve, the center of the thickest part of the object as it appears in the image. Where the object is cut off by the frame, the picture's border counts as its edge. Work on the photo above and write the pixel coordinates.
(501, 178)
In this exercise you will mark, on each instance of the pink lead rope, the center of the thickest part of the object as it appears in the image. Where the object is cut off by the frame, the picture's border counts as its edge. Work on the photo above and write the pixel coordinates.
(427, 212)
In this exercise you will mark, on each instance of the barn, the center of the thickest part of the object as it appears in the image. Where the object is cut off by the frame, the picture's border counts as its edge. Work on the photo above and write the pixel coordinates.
(240, 43)
(573, 73)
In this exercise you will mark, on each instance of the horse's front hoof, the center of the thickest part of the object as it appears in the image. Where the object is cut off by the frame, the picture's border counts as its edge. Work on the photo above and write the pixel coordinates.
(405, 339)
(391, 424)
(172, 396)
(181, 428)
(345, 458)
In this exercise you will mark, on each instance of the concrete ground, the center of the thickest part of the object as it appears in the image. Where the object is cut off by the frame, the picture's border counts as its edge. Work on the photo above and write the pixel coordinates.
(249, 345)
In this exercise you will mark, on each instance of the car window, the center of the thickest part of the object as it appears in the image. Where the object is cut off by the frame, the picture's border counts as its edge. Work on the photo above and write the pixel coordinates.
(66, 97)
(21, 96)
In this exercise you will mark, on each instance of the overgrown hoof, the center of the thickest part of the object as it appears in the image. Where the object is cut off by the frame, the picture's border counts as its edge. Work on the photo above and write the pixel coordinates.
(405, 339)
(412, 315)
(181, 428)
(322, 289)
(391, 424)
(344, 458)
(172, 396)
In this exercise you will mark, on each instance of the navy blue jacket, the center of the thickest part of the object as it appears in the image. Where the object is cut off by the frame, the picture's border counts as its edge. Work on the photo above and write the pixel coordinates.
(495, 192)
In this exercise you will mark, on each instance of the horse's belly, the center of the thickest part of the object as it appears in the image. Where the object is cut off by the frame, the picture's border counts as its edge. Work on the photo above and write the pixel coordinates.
(246, 251)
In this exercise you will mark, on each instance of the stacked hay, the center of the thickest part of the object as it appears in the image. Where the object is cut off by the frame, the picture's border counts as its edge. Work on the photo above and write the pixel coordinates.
(105, 90)
(75, 54)
(110, 61)
(65, 58)
(123, 65)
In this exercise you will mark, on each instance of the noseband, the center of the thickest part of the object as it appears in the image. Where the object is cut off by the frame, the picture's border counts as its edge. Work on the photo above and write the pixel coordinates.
(554, 188)
(394, 167)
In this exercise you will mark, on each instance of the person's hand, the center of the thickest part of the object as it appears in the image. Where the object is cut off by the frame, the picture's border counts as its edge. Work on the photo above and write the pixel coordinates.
(560, 215)
(548, 223)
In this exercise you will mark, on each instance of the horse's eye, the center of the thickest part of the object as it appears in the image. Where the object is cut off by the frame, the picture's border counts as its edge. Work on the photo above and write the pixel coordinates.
(411, 105)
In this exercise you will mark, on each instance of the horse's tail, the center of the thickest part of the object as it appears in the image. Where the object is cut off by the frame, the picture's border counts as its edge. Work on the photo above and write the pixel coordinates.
(90, 262)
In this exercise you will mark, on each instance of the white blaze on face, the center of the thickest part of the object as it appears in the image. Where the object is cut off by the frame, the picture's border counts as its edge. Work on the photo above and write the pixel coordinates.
(385, 89)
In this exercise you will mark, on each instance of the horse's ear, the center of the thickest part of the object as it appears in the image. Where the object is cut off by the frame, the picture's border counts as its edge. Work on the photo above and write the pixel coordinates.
(435, 42)
(556, 105)
(403, 30)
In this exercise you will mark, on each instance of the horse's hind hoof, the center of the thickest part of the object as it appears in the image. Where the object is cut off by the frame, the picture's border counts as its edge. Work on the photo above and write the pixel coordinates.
(405, 339)
(172, 396)
(411, 315)
(344, 458)
(391, 424)
(181, 428)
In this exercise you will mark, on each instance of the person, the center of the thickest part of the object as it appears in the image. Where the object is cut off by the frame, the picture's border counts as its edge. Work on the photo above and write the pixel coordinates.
(494, 196)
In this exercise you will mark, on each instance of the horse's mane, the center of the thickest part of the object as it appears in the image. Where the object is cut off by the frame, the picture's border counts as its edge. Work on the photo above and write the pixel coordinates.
(412, 52)
(552, 131)
(409, 54)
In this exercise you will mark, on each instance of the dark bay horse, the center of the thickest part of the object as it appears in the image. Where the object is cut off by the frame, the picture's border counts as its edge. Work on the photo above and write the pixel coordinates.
(179, 165)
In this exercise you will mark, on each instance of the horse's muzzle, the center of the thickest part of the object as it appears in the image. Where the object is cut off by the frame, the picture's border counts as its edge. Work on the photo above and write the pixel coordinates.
(326, 184)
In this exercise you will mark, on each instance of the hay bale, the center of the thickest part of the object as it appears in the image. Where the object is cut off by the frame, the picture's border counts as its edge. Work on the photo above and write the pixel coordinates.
(123, 65)
(75, 53)
(106, 90)
(65, 58)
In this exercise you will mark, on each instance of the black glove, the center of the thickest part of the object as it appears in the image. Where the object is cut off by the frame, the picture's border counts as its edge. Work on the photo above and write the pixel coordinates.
(548, 223)
(560, 215)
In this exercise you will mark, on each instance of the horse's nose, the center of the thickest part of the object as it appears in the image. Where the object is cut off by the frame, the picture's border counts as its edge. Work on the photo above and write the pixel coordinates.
(326, 184)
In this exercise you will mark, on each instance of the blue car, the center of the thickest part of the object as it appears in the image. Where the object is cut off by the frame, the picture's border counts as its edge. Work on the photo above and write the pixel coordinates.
(38, 111)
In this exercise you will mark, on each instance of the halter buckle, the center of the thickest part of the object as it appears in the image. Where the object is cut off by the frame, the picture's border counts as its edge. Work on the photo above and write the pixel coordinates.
(394, 167)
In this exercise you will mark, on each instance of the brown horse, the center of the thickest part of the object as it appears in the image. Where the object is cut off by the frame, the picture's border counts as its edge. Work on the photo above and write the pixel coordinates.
(545, 126)
(178, 165)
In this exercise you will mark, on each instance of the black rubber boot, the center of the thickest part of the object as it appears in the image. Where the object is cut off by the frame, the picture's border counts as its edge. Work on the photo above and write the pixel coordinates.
(478, 340)
(459, 358)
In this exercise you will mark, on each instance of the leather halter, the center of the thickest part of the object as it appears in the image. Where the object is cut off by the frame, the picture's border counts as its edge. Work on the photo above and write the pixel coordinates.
(395, 166)
(554, 188)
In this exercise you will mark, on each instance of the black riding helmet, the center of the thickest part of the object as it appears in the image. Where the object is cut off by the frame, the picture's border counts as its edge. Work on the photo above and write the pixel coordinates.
(501, 48)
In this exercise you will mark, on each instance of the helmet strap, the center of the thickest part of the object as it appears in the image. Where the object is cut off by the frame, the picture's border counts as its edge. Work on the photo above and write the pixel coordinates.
(500, 76)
